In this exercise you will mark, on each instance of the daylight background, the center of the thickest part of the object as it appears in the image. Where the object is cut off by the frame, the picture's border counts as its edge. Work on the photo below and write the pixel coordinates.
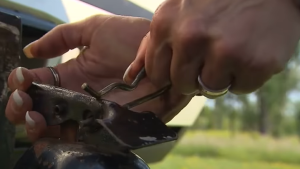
(260, 130)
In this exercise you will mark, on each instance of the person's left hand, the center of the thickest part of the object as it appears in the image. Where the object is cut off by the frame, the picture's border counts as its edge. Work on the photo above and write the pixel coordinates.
(112, 43)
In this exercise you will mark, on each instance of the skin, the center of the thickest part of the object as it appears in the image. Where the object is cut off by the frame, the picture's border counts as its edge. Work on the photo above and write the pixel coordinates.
(112, 43)
(238, 42)
(241, 43)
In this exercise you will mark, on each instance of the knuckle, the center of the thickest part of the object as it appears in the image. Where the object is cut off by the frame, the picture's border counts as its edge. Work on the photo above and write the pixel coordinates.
(227, 54)
(267, 65)
(96, 22)
(95, 19)
(160, 11)
(191, 32)
(227, 49)
(263, 68)
(162, 20)
(143, 22)
(185, 36)
(232, 52)
(61, 28)
(143, 25)
(159, 24)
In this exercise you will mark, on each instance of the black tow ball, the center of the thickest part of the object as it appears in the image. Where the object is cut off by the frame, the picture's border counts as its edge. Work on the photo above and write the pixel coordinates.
(56, 154)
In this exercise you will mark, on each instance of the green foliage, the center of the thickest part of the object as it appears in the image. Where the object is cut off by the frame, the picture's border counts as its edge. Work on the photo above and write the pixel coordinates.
(267, 113)
(221, 150)
(241, 147)
(196, 162)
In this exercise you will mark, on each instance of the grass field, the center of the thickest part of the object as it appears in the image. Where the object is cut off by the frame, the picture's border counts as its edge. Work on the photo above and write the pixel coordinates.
(222, 150)
(195, 162)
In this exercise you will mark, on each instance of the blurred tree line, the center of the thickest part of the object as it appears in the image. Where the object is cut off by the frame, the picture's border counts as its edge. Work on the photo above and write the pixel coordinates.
(270, 110)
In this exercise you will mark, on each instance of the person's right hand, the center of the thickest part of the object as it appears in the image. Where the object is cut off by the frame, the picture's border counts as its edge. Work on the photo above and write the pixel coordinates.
(218, 44)
(112, 43)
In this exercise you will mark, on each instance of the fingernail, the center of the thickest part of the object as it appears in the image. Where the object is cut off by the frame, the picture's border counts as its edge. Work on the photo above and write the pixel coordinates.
(19, 75)
(27, 50)
(17, 98)
(125, 74)
(29, 120)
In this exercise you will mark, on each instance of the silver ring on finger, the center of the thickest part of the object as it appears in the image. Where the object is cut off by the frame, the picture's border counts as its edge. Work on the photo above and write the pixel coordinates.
(209, 93)
(55, 76)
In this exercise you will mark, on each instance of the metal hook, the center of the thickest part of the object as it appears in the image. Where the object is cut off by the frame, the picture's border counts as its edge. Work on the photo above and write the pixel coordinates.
(146, 98)
(126, 87)
(123, 86)
(91, 91)
(117, 85)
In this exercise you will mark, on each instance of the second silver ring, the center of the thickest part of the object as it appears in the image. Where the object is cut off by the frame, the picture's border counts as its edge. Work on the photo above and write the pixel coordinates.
(209, 93)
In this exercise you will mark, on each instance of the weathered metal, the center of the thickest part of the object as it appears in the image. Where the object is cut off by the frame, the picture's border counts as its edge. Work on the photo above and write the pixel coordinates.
(56, 154)
(106, 132)
(10, 43)
(101, 122)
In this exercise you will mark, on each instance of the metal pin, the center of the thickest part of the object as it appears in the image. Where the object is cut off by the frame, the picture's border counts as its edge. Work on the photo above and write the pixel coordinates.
(124, 86)
(91, 91)
(146, 98)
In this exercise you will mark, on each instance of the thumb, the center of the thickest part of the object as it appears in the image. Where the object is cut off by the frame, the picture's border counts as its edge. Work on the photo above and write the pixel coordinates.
(139, 62)
(61, 39)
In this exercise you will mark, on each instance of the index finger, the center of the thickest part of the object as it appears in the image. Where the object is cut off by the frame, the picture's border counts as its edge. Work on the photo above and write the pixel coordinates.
(63, 38)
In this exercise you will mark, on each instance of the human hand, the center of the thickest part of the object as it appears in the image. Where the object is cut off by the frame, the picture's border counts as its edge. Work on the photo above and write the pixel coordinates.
(241, 43)
(112, 43)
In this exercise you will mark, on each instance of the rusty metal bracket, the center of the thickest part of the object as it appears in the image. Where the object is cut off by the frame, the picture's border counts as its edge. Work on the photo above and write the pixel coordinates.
(10, 44)
(102, 122)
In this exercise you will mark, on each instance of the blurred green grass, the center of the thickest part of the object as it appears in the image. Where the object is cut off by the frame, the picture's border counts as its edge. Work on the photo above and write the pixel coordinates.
(195, 162)
(222, 150)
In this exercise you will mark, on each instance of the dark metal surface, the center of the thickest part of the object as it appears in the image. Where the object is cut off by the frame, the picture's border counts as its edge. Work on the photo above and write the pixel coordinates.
(10, 44)
(56, 154)
(101, 122)
(58, 105)
(134, 130)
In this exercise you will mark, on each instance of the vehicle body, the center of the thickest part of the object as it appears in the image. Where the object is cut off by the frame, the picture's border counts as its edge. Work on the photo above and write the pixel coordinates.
(40, 16)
